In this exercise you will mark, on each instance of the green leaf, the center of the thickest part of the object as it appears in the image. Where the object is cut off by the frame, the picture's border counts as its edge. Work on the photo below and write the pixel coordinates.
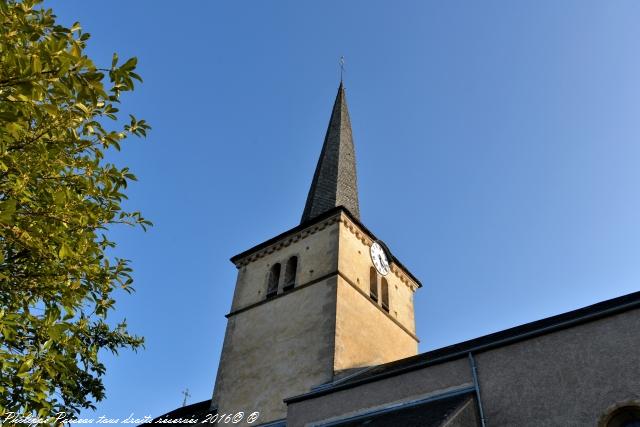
(56, 331)
(130, 64)
(24, 368)
(82, 107)
(64, 251)
(59, 197)
(8, 116)
(36, 65)
(49, 108)
(7, 211)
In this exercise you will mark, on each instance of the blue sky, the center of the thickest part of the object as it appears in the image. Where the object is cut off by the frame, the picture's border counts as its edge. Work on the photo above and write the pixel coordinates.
(497, 147)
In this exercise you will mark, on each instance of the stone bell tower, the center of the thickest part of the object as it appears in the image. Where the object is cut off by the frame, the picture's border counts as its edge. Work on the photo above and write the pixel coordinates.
(310, 306)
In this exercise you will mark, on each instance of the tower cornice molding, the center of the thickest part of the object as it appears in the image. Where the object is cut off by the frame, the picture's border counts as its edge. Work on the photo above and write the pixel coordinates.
(283, 240)
(337, 214)
(367, 238)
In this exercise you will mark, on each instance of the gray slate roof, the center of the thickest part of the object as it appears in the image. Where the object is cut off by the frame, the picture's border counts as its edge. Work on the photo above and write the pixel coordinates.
(436, 413)
(334, 181)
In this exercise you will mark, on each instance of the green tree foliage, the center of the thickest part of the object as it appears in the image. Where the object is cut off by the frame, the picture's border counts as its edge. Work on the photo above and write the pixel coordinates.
(58, 198)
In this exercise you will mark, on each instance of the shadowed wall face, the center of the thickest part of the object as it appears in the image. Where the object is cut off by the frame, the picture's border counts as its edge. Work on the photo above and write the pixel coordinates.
(280, 344)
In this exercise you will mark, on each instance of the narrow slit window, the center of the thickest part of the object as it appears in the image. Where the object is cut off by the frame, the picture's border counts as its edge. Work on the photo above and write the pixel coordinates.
(274, 279)
(373, 284)
(385, 294)
(290, 273)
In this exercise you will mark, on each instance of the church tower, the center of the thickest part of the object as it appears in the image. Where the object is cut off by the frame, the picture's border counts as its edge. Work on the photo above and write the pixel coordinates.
(317, 302)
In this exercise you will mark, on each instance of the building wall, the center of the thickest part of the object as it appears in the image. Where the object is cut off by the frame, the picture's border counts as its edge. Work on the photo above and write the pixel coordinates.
(323, 328)
(277, 349)
(284, 345)
(316, 248)
(365, 334)
(567, 378)
(355, 262)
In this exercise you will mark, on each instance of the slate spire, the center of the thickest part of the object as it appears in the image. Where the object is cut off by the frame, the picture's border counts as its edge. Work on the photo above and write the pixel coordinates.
(334, 181)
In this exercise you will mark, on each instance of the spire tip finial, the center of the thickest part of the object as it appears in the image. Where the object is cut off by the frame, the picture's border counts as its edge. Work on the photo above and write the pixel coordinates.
(341, 68)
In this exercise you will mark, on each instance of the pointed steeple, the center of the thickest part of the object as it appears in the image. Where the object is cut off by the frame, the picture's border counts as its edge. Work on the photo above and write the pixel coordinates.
(334, 181)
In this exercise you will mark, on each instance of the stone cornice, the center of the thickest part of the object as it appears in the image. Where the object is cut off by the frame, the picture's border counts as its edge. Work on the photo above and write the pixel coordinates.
(368, 239)
(286, 240)
(321, 222)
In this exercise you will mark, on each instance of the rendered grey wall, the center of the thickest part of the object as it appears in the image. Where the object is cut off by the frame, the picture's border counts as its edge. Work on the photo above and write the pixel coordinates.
(568, 378)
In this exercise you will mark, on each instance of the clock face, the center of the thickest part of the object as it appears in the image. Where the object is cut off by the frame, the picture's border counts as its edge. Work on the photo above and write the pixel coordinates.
(379, 258)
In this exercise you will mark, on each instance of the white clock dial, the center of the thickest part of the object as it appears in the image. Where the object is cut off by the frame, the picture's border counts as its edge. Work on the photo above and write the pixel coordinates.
(379, 258)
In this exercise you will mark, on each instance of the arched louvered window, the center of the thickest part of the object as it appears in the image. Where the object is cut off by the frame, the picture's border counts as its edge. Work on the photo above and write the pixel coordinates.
(274, 279)
(373, 284)
(384, 290)
(290, 273)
